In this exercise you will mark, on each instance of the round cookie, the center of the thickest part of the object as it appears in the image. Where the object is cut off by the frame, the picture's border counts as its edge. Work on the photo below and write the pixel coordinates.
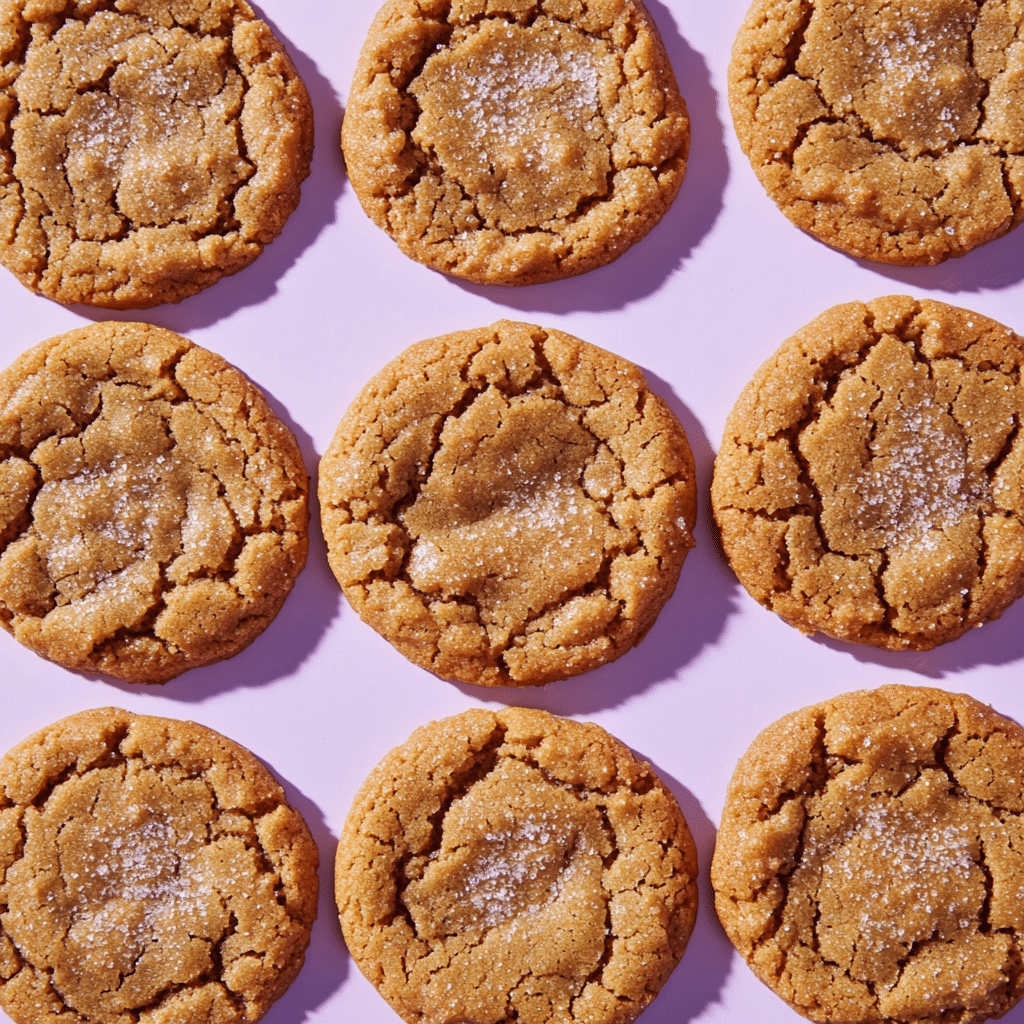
(150, 870)
(531, 142)
(508, 505)
(868, 866)
(889, 129)
(512, 864)
(153, 509)
(148, 148)
(870, 483)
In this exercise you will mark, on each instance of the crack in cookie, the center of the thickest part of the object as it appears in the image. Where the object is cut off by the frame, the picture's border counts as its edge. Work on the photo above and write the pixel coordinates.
(528, 143)
(890, 129)
(515, 865)
(147, 867)
(870, 476)
(508, 505)
(147, 148)
(153, 512)
(888, 889)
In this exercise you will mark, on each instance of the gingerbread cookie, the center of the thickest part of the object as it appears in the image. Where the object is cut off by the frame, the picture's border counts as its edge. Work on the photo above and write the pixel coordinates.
(868, 865)
(515, 865)
(508, 505)
(889, 129)
(870, 483)
(153, 509)
(148, 148)
(527, 143)
(150, 870)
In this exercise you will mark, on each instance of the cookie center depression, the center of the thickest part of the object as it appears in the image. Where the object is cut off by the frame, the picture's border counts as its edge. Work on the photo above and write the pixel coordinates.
(513, 113)
(514, 850)
(902, 66)
(126, 123)
(503, 518)
(889, 460)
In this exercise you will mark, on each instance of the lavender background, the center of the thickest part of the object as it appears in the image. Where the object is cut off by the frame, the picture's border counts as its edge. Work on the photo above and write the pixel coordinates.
(699, 304)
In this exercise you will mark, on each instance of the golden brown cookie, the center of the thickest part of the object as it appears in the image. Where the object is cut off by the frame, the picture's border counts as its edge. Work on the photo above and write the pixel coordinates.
(515, 865)
(153, 509)
(149, 147)
(870, 483)
(150, 870)
(508, 505)
(527, 142)
(868, 867)
(889, 129)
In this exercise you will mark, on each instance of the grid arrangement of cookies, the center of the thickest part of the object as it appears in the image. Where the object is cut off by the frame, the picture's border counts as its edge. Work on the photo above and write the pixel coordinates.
(514, 515)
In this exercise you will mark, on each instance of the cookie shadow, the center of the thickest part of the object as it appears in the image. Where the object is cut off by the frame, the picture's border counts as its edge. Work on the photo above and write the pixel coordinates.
(692, 620)
(994, 643)
(698, 981)
(327, 962)
(644, 267)
(991, 267)
(316, 211)
(295, 633)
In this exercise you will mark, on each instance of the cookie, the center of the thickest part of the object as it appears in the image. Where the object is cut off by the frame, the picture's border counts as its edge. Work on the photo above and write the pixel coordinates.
(868, 865)
(531, 141)
(150, 870)
(147, 148)
(870, 483)
(514, 865)
(508, 505)
(889, 129)
(153, 509)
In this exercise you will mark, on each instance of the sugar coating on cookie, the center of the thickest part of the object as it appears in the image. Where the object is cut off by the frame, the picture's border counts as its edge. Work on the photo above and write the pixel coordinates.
(150, 869)
(508, 505)
(868, 864)
(153, 509)
(528, 141)
(148, 147)
(889, 129)
(515, 865)
(870, 483)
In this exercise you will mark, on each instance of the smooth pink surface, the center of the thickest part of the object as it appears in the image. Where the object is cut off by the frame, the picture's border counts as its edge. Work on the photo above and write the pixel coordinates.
(699, 304)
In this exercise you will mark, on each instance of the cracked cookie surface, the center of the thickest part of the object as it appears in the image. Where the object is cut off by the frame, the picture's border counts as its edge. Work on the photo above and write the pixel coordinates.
(889, 129)
(868, 865)
(150, 870)
(514, 864)
(153, 509)
(515, 141)
(870, 483)
(508, 505)
(147, 148)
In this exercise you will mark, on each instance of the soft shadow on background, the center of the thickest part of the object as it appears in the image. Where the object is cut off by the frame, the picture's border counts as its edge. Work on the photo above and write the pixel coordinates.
(316, 210)
(995, 643)
(327, 961)
(645, 267)
(999, 264)
(692, 620)
(698, 981)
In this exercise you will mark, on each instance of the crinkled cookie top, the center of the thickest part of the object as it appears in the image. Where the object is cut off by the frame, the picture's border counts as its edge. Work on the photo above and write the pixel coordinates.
(515, 141)
(515, 865)
(890, 129)
(149, 869)
(153, 511)
(147, 147)
(870, 482)
(508, 505)
(868, 863)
